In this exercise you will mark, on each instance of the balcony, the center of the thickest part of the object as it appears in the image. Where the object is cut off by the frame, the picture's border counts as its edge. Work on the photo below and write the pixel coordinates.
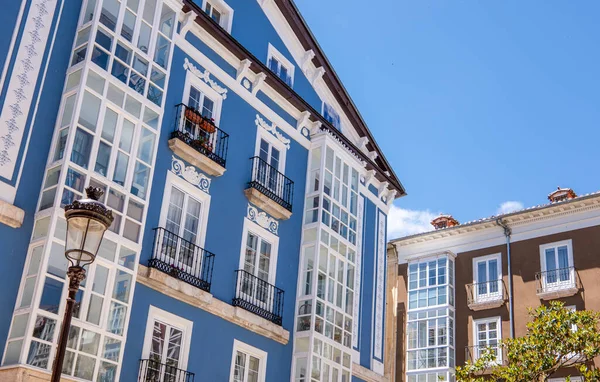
(198, 141)
(182, 259)
(486, 295)
(270, 190)
(258, 296)
(557, 283)
(473, 353)
(154, 371)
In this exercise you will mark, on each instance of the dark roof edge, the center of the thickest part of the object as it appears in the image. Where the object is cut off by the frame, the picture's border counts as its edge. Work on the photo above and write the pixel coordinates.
(330, 71)
(290, 94)
(493, 218)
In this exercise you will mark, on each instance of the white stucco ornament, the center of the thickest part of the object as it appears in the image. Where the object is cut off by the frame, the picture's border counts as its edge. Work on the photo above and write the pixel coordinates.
(190, 174)
(205, 76)
(272, 129)
(262, 219)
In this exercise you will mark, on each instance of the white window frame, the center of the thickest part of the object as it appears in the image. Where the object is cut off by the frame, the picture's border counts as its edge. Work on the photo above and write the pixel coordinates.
(273, 239)
(273, 141)
(186, 326)
(203, 87)
(336, 111)
(226, 13)
(489, 295)
(558, 285)
(487, 320)
(249, 350)
(272, 52)
(196, 193)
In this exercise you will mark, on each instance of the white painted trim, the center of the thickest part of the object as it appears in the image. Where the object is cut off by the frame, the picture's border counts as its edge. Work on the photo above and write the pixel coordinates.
(226, 13)
(524, 227)
(250, 226)
(249, 350)
(273, 141)
(299, 54)
(192, 191)
(497, 256)
(206, 90)
(555, 245)
(186, 326)
(272, 52)
(487, 320)
(12, 44)
(242, 92)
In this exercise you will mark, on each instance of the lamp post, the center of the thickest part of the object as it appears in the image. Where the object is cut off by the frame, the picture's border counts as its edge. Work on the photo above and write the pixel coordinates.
(87, 220)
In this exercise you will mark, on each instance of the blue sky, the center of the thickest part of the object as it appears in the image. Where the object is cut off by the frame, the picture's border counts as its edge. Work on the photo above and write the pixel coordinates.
(474, 103)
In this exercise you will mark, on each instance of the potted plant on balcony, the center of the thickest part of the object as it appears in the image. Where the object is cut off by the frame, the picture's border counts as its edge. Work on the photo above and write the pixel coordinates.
(201, 143)
(208, 125)
(193, 115)
(174, 271)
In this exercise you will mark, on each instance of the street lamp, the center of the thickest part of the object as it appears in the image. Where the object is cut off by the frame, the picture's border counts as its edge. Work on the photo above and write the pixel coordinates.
(87, 220)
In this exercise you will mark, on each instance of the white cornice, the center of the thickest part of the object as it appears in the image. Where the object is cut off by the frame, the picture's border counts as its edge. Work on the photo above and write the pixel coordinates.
(549, 220)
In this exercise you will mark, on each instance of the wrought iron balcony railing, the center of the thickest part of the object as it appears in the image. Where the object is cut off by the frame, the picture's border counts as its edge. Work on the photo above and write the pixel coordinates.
(488, 294)
(473, 353)
(182, 259)
(268, 180)
(560, 282)
(258, 296)
(154, 371)
(200, 133)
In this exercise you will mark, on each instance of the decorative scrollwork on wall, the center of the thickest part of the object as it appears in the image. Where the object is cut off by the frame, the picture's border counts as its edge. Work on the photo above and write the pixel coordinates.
(262, 219)
(190, 174)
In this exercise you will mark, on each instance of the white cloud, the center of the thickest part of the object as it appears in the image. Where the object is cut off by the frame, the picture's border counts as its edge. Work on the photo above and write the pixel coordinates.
(509, 206)
(403, 222)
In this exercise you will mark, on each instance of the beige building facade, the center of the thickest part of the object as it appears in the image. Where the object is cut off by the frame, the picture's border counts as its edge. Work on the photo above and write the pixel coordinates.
(464, 287)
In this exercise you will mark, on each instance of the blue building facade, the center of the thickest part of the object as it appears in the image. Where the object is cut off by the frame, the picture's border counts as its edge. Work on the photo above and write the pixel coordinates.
(250, 199)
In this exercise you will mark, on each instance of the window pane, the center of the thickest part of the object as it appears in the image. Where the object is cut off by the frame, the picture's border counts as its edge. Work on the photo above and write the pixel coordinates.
(102, 159)
(81, 148)
(38, 354)
(149, 10)
(141, 175)
(68, 111)
(90, 108)
(116, 318)
(95, 309)
(144, 38)
(122, 286)
(161, 54)
(84, 368)
(109, 125)
(61, 144)
(128, 25)
(110, 11)
(51, 295)
(75, 180)
(146, 146)
(167, 20)
(121, 169)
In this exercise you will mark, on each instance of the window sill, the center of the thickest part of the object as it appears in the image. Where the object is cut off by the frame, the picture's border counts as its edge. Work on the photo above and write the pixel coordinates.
(367, 375)
(11, 215)
(191, 295)
(486, 303)
(195, 158)
(558, 292)
(267, 204)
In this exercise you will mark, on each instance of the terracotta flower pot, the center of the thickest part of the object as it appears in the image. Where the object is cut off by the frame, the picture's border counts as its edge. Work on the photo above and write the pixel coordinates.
(193, 116)
(207, 126)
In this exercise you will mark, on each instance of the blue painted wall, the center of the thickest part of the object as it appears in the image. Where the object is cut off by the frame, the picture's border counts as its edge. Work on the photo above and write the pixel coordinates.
(253, 30)
(15, 241)
(228, 204)
(211, 343)
(367, 285)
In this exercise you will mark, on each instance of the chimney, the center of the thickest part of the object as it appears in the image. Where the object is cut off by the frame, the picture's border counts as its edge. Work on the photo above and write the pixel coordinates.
(561, 194)
(444, 221)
